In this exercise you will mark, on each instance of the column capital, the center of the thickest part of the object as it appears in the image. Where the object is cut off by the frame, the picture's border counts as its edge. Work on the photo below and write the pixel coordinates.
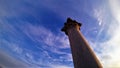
(70, 24)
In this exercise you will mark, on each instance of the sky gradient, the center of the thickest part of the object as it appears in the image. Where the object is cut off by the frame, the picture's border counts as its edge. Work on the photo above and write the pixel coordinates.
(30, 35)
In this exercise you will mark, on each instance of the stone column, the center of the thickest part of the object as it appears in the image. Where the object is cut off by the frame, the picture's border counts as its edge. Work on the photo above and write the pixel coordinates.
(83, 55)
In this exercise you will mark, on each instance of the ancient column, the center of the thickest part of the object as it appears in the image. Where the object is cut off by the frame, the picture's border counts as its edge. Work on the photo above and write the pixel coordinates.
(83, 55)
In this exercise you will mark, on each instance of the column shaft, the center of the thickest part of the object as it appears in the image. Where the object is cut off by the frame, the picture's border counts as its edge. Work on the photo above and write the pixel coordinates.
(83, 55)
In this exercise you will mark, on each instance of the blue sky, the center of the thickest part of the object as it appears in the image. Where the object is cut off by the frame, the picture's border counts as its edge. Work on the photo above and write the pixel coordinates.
(30, 33)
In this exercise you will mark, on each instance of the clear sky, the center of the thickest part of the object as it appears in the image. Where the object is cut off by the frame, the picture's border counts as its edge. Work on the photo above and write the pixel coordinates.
(30, 33)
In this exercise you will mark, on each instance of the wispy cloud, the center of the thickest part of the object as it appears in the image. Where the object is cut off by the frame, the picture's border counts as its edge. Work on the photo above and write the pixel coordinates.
(38, 34)
(51, 41)
(98, 13)
(113, 44)
(60, 66)
(10, 62)
(110, 48)
(46, 36)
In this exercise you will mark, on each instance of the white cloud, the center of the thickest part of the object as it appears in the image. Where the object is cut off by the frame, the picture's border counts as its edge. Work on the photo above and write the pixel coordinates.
(60, 66)
(8, 61)
(115, 9)
(112, 47)
(13, 46)
(67, 57)
(37, 34)
(110, 50)
(98, 13)
(43, 35)
(25, 57)
(51, 41)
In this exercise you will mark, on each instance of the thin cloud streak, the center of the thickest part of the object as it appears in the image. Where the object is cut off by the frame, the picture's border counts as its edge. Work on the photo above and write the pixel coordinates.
(114, 42)
(37, 34)
(8, 61)
(53, 42)
(110, 50)
(40, 34)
